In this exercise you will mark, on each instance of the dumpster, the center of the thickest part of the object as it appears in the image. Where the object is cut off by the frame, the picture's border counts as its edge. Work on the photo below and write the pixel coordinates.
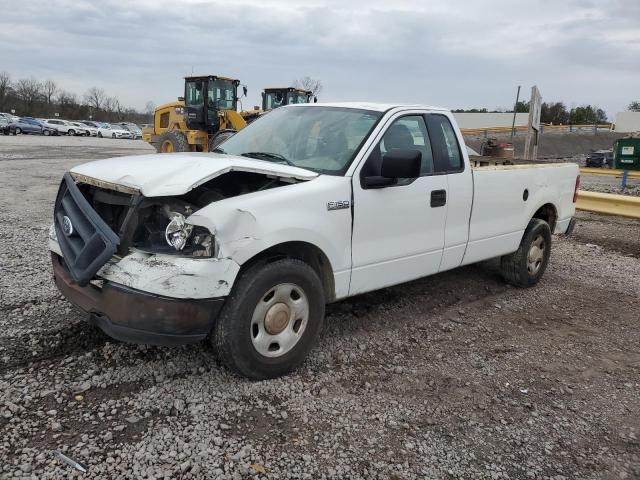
(626, 153)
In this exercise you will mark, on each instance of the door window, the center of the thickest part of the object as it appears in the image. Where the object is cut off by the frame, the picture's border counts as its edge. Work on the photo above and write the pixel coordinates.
(406, 133)
(447, 153)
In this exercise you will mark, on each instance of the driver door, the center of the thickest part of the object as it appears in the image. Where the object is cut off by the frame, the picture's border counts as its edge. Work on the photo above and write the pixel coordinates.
(398, 230)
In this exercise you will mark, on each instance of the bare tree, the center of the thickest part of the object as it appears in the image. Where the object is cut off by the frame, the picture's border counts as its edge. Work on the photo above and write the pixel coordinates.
(29, 90)
(49, 88)
(149, 108)
(311, 84)
(5, 89)
(633, 106)
(95, 98)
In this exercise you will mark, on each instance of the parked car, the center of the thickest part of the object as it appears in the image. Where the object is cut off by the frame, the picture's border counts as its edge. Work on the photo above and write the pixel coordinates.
(114, 130)
(600, 159)
(310, 204)
(82, 129)
(63, 127)
(136, 133)
(91, 124)
(10, 117)
(25, 125)
(93, 131)
(4, 125)
(46, 129)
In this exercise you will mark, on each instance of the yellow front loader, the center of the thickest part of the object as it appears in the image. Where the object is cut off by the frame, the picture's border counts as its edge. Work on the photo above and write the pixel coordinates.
(201, 120)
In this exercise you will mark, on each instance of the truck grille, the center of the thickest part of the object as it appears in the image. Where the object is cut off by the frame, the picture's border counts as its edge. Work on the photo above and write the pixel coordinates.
(87, 242)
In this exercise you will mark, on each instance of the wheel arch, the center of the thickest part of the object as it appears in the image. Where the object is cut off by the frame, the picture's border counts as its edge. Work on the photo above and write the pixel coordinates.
(303, 251)
(549, 214)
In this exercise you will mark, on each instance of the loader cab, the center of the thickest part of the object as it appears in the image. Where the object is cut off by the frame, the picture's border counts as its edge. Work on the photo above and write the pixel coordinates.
(277, 97)
(205, 98)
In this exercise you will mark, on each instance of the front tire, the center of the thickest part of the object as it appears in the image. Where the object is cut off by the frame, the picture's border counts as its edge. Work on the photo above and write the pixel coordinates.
(525, 267)
(18, 131)
(219, 137)
(172, 141)
(271, 319)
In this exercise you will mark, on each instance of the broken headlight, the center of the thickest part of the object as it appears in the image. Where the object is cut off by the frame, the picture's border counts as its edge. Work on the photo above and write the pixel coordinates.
(164, 229)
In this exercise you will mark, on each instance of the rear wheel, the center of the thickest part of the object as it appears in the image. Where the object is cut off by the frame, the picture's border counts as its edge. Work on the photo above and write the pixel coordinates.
(525, 266)
(172, 141)
(219, 137)
(271, 320)
(71, 132)
(46, 133)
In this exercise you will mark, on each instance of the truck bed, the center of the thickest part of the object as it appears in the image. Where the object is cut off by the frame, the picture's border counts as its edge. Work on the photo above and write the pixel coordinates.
(505, 197)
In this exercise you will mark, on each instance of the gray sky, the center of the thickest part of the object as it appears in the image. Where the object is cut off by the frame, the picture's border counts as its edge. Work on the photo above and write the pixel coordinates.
(462, 53)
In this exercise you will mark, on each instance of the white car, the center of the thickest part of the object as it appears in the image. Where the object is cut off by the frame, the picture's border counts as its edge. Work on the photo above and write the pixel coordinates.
(83, 129)
(64, 127)
(310, 204)
(112, 131)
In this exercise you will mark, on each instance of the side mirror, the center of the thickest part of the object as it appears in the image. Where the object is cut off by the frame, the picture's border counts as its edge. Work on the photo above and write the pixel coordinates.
(396, 163)
(181, 99)
(244, 90)
(401, 163)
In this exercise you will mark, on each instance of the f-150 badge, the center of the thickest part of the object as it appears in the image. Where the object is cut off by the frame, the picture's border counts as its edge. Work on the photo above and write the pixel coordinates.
(338, 205)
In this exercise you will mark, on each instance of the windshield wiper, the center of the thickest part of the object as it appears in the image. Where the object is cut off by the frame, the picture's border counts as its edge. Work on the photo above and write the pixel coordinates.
(268, 156)
(218, 150)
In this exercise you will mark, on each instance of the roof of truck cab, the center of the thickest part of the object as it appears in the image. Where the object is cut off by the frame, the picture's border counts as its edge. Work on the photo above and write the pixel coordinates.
(378, 107)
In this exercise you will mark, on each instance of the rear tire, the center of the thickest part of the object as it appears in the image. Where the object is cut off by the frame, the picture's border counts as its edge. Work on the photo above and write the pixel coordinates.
(525, 267)
(46, 133)
(71, 133)
(172, 141)
(271, 319)
(219, 137)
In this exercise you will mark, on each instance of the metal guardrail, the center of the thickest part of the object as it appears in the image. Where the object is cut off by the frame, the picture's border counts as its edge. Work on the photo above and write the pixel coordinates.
(523, 128)
(609, 172)
(609, 204)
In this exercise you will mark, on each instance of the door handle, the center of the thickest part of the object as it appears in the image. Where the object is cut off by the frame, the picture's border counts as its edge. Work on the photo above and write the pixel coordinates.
(438, 198)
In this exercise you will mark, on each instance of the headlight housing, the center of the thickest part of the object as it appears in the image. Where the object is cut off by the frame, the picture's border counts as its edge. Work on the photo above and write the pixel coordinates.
(162, 228)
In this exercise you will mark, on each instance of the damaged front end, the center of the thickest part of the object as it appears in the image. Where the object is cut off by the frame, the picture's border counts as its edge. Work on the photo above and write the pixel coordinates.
(136, 264)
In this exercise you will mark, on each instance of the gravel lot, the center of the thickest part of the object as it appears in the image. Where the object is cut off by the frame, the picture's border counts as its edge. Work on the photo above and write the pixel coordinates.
(453, 376)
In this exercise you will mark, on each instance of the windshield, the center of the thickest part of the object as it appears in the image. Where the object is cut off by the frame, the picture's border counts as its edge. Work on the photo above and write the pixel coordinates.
(273, 100)
(298, 97)
(323, 139)
(222, 94)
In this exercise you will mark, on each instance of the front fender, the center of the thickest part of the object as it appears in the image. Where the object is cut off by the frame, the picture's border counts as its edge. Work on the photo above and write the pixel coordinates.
(246, 225)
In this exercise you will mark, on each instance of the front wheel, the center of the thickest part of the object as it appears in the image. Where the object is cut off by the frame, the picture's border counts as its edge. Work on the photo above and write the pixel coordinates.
(219, 137)
(271, 320)
(525, 267)
(18, 130)
(71, 133)
(46, 133)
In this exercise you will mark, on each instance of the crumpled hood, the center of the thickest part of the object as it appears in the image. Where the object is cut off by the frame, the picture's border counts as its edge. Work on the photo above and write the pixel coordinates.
(163, 174)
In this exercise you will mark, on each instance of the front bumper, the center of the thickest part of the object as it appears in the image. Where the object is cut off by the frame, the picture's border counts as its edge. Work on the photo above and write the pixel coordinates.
(135, 316)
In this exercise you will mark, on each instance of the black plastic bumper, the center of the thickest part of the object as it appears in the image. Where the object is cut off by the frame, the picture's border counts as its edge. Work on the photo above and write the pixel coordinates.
(134, 316)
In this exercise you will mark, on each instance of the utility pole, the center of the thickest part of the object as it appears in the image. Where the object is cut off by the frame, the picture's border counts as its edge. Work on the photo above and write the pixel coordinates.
(515, 107)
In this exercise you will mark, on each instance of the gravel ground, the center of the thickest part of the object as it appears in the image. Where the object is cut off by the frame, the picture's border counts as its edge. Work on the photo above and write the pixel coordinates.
(453, 376)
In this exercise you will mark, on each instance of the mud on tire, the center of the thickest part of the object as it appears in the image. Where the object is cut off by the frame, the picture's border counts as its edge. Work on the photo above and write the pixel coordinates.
(525, 267)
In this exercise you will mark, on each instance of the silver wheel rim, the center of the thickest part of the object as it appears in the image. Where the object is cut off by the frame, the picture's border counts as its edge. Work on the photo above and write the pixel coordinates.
(279, 320)
(536, 255)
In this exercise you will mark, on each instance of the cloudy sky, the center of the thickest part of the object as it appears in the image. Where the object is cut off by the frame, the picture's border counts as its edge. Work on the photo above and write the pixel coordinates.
(462, 53)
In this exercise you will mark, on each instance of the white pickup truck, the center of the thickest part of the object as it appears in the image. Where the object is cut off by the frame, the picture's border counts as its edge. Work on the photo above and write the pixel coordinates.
(309, 204)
